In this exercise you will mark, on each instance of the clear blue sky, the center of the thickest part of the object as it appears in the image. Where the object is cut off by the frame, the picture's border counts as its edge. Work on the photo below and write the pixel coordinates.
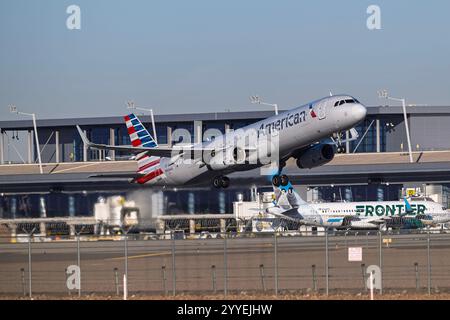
(200, 56)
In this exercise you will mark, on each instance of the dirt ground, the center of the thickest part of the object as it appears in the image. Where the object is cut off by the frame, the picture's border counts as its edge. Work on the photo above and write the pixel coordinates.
(243, 296)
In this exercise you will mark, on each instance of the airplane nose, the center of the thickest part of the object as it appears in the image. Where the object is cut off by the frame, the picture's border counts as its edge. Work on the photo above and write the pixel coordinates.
(359, 112)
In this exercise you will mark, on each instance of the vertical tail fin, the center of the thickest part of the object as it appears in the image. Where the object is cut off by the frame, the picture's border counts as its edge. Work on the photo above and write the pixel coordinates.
(140, 137)
(408, 208)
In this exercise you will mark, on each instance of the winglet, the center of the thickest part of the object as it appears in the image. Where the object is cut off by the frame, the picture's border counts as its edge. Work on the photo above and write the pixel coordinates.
(83, 137)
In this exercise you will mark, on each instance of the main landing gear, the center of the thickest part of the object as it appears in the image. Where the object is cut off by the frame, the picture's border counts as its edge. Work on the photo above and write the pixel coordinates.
(280, 180)
(221, 182)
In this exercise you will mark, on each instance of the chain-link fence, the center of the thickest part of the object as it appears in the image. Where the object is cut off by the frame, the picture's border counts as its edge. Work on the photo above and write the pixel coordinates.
(169, 264)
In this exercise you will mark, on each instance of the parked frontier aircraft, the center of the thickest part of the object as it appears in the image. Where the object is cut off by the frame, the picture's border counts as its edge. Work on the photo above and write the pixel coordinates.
(295, 133)
(405, 214)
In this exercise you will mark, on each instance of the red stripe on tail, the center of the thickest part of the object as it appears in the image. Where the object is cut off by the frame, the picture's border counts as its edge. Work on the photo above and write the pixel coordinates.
(150, 176)
(148, 165)
(136, 142)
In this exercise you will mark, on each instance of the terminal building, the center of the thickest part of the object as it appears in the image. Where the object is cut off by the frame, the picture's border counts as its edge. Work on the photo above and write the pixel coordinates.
(374, 167)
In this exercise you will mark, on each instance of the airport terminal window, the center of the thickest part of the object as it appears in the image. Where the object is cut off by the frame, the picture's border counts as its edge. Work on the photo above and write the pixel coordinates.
(99, 135)
(371, 192)
(234, 125)
(161, 131)
(369, 143)
(189, 126)
(213, 125)
(72, 150)
(121, 137)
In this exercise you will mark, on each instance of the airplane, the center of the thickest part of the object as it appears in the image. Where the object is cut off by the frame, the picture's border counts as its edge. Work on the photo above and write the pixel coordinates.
(358, 215)
(298, 133)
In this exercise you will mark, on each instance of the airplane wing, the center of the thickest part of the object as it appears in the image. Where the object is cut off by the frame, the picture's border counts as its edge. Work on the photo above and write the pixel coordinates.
(151, 151)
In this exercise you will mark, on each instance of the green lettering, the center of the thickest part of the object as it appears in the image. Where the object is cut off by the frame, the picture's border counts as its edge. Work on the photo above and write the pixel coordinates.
(379, 210)
(390, 210)
(359, 210)
(421, 209)
(369, 211)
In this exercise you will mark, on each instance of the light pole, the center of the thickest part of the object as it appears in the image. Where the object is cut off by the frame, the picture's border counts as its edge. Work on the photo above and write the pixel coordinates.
(13, 109)
(131, 105)
(384, 94)
(257, 100)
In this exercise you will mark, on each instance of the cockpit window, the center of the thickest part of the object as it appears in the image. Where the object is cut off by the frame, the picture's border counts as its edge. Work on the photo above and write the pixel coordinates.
(341, 102)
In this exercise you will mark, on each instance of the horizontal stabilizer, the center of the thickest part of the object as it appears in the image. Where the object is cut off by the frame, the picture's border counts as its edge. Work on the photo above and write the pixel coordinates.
(118, 175)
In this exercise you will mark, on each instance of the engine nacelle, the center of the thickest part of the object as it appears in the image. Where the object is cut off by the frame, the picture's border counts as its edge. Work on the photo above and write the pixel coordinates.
(239, 155)
(316, 156)
(216, 160)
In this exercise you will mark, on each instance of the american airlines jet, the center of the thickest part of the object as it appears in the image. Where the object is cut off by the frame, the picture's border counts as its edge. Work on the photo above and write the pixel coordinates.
(294, 133)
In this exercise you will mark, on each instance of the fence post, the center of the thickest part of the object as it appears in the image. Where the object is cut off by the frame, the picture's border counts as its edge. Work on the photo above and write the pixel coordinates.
(116, 280)
(345, 237)
(22, 271)
(416, 269)
(125, 287)
(126, 256)
(314, 277)
(79, 263)
(29, 265)
(225, 265)
(174, 276)
(428, 261)
(276, 262)
(363, 271)
(261, 273)
(164, 278)
(326, 261)
(381, 261)
(367, 240)
(67, 277)
(213, 278)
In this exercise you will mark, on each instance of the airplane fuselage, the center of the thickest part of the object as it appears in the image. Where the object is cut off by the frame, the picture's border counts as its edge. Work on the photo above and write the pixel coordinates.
(291, 130)
(372, 214)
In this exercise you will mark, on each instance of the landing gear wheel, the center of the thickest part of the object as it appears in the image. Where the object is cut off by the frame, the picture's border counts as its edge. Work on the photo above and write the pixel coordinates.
(276, 180)
(221, 182)
(284, 180)
(217, 182)
(225, 182)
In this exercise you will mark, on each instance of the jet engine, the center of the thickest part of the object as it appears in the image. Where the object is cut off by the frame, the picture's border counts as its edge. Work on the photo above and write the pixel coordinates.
(239, 155)
(316, 156)
(216, 160)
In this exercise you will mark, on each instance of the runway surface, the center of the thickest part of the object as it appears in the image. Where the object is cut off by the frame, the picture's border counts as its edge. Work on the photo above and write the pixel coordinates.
(249, 264)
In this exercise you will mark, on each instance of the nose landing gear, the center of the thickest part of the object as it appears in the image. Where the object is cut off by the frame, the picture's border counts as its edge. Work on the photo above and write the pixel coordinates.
(221, 182)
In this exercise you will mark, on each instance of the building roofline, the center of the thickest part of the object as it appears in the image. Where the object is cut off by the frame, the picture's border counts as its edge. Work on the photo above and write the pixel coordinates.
(209, 116)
